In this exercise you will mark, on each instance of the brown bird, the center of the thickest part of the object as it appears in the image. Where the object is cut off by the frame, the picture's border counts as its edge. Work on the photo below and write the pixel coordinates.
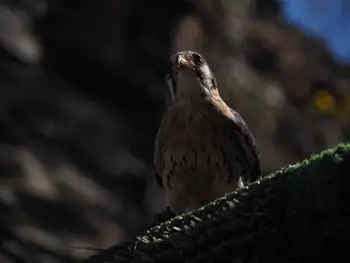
(203, 148)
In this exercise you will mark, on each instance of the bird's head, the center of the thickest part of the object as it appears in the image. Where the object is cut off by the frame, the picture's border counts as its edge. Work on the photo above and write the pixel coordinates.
(189, 74)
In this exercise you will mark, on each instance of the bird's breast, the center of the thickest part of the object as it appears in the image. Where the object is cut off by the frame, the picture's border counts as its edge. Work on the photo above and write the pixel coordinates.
(188, 134)
(185, 123)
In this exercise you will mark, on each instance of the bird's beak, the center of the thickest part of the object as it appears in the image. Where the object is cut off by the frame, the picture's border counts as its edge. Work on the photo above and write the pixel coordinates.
(183, 62)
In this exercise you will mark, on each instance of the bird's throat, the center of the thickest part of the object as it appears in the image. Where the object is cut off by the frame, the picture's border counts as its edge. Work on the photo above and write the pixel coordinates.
(188, 85)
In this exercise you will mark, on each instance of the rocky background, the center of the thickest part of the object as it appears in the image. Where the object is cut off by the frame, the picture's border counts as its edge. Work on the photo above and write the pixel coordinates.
(82, 94)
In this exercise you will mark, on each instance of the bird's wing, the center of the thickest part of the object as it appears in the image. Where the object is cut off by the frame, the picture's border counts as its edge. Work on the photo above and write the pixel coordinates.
(245, 143)
(158, 160)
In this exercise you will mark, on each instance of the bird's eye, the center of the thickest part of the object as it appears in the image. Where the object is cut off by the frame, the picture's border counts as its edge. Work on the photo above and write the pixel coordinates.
(197, 58)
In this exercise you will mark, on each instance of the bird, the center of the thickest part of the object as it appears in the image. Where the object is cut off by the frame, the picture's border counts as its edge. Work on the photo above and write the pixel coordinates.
(203, 148)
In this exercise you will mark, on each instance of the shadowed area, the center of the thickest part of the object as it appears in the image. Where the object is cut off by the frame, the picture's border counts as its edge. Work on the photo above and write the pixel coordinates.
(83, 92)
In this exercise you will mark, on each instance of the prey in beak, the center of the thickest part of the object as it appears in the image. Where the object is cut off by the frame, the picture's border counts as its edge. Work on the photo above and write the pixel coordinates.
(182, 62)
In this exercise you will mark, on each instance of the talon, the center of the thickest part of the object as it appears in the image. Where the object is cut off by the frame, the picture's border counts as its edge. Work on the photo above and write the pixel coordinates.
(167, 210)
(167, 214)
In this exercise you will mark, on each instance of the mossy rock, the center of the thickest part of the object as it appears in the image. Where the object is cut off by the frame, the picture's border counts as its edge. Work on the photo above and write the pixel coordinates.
(297, 214)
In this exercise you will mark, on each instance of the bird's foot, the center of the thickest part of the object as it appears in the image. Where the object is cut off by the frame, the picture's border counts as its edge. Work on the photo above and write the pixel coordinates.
(166, 215)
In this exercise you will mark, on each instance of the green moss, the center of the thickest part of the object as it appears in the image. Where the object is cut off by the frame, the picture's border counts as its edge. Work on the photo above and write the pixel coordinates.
(284, 217)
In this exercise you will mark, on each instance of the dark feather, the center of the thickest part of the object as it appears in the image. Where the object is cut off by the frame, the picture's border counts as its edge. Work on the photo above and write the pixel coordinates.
(158, 179)
(255, 171)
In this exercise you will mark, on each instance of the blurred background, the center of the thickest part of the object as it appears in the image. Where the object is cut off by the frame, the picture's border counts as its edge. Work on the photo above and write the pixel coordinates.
(82, 95)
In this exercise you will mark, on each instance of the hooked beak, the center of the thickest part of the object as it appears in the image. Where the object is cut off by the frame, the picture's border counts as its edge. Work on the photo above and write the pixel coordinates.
(183, 62)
